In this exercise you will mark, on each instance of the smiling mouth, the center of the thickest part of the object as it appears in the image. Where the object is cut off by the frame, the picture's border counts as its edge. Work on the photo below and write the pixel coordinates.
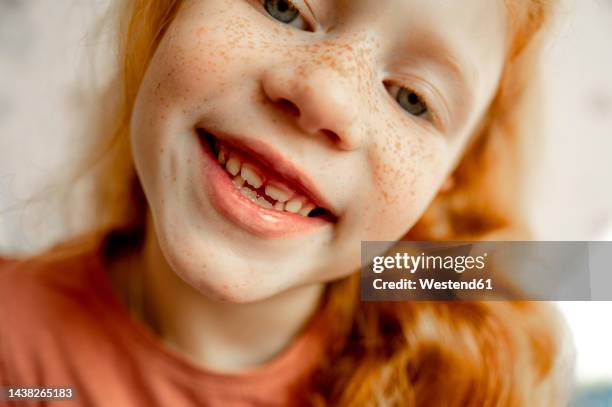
(263, 185)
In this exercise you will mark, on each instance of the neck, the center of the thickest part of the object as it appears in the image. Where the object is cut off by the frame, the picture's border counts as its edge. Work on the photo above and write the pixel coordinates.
(220, 336)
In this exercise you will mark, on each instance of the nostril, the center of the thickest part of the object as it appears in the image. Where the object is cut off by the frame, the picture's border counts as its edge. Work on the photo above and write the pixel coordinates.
(331, 135)
(288, 106)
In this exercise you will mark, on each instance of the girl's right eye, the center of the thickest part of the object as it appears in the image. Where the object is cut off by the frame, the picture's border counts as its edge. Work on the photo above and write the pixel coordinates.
(285, 12)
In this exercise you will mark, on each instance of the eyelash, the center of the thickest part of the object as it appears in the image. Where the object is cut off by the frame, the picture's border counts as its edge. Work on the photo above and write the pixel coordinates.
(305, 24)
(428, 113)
(393, 89)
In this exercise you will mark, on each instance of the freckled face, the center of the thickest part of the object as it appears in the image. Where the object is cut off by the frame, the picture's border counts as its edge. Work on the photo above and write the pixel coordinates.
(359, 107)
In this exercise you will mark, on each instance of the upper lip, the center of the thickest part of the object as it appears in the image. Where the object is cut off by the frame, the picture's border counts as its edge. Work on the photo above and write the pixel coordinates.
(277, 163)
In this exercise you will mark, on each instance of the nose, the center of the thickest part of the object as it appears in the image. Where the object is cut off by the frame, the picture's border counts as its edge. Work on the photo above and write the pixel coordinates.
(322, 101)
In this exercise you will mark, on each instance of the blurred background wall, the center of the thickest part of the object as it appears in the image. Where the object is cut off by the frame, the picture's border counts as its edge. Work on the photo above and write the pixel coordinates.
(46, 72)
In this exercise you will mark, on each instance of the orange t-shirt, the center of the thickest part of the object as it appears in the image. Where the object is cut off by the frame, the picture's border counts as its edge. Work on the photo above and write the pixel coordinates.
(61, 324)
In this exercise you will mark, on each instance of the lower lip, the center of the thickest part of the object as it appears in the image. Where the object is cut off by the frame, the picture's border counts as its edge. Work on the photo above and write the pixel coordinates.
(246, 214)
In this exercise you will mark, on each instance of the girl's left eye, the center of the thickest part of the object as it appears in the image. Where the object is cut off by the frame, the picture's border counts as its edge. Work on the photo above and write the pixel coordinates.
(411, 102)
(285, 12)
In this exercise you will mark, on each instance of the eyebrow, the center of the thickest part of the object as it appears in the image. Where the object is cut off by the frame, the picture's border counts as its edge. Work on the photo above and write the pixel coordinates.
(432, 47)
(437, 49)
(457, 68)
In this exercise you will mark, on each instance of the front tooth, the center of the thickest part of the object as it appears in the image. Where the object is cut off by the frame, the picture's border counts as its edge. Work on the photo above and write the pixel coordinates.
(264, 203)
(233, 165)
(251, 176)
(238, 181)
(294, 205)
(277, 194)
(305, 211)
(249, 193)
(221, 158)
(279, 206)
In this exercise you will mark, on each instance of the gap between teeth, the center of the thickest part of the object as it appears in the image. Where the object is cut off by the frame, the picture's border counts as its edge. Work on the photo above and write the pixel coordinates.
(245, 178)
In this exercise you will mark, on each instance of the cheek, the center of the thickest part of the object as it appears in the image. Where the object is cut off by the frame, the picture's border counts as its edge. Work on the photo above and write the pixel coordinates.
(207, 53)
(192, 65)
(408, 168)
(183, 73)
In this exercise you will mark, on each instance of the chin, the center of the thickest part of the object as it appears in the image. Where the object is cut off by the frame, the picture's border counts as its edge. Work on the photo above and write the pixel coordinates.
(214, 271)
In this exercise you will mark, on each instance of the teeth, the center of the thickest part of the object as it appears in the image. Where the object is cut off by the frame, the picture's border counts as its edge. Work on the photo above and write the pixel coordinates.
(238, 181)
(249, 193)
(264, 203)
(251, 176)
(294, 205)
(233, 165)
(305, 211)
(277, 194)
(246, 174)
(221, 157)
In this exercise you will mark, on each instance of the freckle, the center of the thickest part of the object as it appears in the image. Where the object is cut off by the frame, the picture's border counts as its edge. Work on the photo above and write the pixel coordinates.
(201, 31)
(386, 196)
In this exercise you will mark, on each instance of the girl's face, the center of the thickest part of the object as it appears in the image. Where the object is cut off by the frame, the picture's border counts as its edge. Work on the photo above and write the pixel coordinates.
(272, 137)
